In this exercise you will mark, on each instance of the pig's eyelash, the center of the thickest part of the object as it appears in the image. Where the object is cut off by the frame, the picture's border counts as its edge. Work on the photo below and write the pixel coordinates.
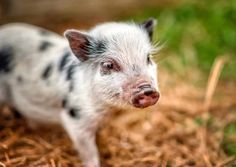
(156, 48)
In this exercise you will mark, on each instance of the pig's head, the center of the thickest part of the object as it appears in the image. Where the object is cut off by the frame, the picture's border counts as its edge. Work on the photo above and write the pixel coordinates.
(118, 56)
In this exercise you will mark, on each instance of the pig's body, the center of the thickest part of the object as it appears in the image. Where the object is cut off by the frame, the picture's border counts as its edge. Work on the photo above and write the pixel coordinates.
(50, 82)
(27, 85)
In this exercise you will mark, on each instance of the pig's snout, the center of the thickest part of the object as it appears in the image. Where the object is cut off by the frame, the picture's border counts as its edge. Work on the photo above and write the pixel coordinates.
(145, 96)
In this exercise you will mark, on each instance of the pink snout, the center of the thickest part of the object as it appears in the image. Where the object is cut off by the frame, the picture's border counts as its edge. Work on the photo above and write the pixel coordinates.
(146, 96)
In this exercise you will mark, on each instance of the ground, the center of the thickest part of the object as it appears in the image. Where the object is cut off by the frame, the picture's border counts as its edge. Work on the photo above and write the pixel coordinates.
(178, 131)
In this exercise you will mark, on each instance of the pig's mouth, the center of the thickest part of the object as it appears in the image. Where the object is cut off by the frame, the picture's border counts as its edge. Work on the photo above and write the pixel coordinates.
(145, 97)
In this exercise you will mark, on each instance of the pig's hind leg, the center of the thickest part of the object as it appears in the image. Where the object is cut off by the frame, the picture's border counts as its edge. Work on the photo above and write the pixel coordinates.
(6, 68)
(3, 92)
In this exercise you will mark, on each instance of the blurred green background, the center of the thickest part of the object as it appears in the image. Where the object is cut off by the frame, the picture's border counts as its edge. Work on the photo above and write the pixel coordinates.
(193, 33)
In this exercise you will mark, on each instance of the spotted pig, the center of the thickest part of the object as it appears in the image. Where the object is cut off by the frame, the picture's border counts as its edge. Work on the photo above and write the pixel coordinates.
(74, 80)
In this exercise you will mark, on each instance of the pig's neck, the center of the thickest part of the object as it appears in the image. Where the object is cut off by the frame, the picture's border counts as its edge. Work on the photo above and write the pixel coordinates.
(80, 88)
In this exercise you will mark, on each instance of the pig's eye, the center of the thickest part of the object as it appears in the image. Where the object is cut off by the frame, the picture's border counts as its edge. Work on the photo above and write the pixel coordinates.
(108, 65)
(107, 68)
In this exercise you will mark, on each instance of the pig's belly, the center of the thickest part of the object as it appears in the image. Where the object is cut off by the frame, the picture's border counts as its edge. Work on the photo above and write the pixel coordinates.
(36, 102)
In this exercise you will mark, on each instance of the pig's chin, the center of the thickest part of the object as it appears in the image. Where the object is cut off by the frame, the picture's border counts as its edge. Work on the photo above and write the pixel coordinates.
(143, 103)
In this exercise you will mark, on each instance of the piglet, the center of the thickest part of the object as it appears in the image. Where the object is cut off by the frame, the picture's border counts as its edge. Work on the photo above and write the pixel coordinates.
(74, 80)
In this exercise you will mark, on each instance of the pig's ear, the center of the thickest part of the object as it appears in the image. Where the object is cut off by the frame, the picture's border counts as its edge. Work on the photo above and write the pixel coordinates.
(80, 43)
(149, 26)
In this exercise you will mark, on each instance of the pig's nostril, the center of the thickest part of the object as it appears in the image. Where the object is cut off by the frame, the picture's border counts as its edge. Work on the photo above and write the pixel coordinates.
(148, 92)
(147, 98)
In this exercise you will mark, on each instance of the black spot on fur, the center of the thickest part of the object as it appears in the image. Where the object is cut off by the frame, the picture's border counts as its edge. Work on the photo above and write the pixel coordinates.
(71, 86)
(6, 57)
(19, 79)
(64, 102)
(100, 47)
(94, 48)
(45, 45)
(64, 60)
(47, 71)
(70, 72)
(74, 113)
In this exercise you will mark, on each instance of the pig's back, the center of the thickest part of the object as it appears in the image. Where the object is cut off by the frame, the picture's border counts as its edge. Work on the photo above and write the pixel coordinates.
(29, 68)
(28, 40)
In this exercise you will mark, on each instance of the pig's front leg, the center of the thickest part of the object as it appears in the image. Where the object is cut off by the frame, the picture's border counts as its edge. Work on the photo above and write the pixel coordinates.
(82, 130)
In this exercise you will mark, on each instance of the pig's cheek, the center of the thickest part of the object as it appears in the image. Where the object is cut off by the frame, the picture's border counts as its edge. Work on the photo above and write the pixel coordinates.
(126, 97)
(153, 78)
(127, 91)
(154, 82)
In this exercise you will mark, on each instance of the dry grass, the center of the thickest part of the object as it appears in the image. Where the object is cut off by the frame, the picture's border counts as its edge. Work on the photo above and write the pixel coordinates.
(176, 132)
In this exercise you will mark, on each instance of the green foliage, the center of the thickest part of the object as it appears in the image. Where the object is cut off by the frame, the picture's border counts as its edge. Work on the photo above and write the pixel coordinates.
(229, 145)
(198, 31)
(230, 129)
(199, 121)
